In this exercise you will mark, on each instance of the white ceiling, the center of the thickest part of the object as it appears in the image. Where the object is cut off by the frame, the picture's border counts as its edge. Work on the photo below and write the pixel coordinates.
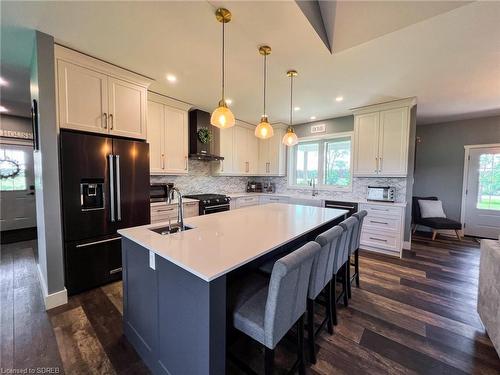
(445, 54)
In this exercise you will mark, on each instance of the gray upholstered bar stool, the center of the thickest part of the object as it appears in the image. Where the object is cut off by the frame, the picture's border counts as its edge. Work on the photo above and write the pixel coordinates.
(342, 265)
(354, 250)
(272, 311)
(321, 277)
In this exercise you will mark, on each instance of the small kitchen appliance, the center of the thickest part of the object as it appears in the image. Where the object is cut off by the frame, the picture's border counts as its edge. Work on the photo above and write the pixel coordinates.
(381, 193)
(254, 187)
(211, 203)
(159, 192)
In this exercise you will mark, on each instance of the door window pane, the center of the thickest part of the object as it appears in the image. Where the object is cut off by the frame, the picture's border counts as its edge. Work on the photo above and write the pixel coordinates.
(489, 182)
(306, 166)
(12, 168)
(338, 162)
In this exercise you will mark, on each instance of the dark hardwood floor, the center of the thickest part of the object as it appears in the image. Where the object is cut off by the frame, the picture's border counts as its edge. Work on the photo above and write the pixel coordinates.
(411, 315)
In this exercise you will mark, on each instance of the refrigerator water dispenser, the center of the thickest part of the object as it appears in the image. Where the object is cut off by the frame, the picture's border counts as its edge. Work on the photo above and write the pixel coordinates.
(92, 195)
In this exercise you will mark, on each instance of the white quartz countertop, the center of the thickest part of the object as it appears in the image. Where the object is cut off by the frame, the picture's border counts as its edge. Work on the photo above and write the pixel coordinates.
(316, 198)
(222, 242)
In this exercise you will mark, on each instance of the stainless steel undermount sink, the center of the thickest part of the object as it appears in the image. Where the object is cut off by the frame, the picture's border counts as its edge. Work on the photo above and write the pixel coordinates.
(169, 229)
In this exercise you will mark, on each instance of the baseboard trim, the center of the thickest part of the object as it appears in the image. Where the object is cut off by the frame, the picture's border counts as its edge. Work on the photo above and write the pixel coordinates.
(407, 245)
(54, 299)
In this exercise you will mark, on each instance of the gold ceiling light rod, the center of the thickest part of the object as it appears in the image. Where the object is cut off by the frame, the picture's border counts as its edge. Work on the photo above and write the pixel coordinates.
(264, 130)
(290, 138)
(222, 117)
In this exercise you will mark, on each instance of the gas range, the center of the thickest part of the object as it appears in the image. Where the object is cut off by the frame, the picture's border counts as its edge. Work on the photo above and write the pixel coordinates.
(211, 203)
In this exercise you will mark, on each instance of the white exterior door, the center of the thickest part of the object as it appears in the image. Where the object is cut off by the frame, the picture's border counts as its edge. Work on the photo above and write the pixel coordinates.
(366, 128)
(176, 141)
(156, 137)
(17, 194)
(393, 142)
(127, 109)
(482, 198)
(82, 97)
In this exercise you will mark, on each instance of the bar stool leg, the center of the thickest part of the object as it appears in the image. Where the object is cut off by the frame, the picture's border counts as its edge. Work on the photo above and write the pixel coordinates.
(300, 345)
(329, 302)
(356, 266)
(334, 298)
(344, 284)
(310, 330)
(269, 361)
(348, 265)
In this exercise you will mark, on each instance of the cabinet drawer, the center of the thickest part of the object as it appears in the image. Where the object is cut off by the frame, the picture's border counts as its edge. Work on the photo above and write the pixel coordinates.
(388, 223)
(191, 209)
(379, 210)
(247, 201)
(266, 199)
(384, 241)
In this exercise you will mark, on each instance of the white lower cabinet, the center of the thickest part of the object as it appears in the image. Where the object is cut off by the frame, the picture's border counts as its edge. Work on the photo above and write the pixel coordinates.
(166, 212)
(383, 228)
(246, 201)
(265, 199)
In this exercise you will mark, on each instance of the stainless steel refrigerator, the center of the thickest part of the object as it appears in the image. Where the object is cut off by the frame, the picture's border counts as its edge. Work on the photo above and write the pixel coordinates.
(105, 187)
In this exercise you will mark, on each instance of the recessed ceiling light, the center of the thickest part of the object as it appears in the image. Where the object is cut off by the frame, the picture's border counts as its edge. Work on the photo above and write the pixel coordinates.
(3, 82)
(3, 109)
(296, 109)
(312, 118)
(229, 101)
(171, 78)
(339, 98)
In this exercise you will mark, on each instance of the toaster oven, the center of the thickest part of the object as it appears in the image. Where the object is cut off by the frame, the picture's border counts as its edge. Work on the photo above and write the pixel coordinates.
(381, 193)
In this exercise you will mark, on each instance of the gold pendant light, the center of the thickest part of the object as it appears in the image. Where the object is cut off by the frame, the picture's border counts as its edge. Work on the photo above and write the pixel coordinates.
(222, 117)
(264, 130)
(290, 138)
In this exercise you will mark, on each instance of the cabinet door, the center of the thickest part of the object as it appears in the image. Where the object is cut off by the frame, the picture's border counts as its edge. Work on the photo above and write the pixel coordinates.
(127, 109)
(240, 161)
(82, 98)
(393, 143)
(366, 139)
(156, 137)
(264, 156)
(176, 141)
(277, 154)
(226, 149)
(252, 152)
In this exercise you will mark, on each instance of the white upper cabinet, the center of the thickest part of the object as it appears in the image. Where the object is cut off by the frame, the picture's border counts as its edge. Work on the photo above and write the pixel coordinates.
(82, 98)
(167, 135)
(127, 109)
(272, 154)
(226, 149)
(98, 97)
(381, 136)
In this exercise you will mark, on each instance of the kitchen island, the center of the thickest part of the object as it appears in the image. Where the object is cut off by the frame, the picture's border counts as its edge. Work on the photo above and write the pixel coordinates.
(174, 286)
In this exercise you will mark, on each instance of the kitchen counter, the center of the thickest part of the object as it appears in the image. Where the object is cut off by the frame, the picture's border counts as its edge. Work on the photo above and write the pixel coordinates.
(219, 243)
(316, 198)
(488, 302)
(174, 201)
(175, 286)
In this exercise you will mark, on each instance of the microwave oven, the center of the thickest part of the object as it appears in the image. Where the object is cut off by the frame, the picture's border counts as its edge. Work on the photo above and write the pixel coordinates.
(381, 193)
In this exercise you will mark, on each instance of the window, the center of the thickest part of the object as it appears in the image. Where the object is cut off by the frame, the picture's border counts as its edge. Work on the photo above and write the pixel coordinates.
(489, 182)
(327, 161)
(12, 168)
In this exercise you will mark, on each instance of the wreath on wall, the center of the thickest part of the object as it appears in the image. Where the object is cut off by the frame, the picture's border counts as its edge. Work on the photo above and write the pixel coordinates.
(9, 168)
(204, 135)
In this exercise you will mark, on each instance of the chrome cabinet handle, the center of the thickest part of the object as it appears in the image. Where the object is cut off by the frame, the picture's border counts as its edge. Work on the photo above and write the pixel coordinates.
(105, 120)
(222, 165)
(380, 209)
(378, 222)
(247, 168)
(118, 190)
(380, 164)
(116, 270)
(378, 239)
(162, 161)
(376, 164)
(111, 121)
(97, 242)
(165, 209)
(186, 161)
(111, 187)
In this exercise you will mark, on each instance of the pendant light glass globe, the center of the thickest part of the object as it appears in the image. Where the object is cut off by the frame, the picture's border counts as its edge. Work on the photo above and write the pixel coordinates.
(290, 138)
(264, 130)
(222, 117)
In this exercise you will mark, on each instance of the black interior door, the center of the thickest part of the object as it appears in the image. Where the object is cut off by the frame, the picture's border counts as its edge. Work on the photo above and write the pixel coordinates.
(84, 160)
(132, 191)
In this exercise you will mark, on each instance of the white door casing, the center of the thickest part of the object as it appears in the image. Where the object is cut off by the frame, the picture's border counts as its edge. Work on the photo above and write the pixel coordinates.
(17, 207)
(480, 212)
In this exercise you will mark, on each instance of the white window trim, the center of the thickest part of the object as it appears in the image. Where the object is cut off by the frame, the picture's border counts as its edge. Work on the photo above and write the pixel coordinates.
(320, 187)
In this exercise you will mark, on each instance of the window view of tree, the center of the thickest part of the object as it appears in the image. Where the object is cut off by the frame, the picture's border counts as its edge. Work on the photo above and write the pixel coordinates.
(12, 169)
(338, 162)
(327, 162)
(489, 182)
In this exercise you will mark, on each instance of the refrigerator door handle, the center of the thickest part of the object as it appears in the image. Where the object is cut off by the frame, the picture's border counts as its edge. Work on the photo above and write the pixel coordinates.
(118, 190)
(111, 187)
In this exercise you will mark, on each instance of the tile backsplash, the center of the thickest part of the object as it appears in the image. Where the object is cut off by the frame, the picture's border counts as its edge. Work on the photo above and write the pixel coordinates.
(199, 180)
